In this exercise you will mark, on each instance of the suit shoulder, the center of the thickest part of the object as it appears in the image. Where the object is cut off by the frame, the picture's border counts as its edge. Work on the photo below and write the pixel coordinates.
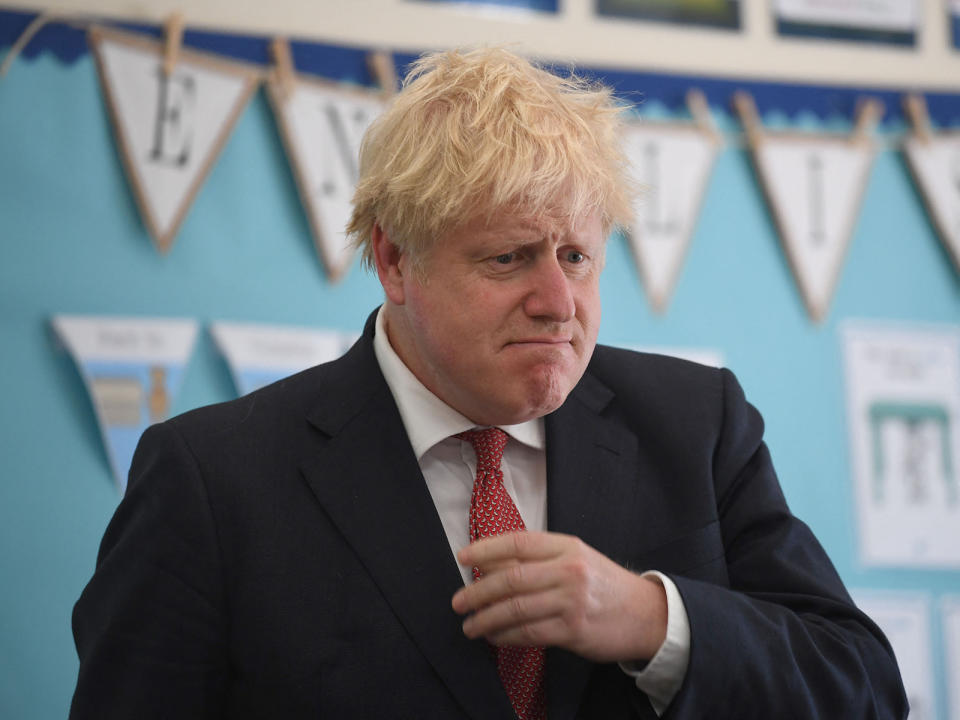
(267, 406)
(659, 388)
(617, 367)
(672, 390)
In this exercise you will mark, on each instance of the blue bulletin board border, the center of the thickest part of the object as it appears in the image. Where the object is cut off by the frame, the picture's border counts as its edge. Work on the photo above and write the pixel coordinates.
(349, 64)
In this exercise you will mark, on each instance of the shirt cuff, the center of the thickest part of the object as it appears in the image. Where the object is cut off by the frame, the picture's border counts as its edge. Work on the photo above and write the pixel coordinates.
(662, 676)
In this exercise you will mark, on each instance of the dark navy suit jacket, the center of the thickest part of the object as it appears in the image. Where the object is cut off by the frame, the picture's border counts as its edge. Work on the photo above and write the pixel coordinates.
(279, 556)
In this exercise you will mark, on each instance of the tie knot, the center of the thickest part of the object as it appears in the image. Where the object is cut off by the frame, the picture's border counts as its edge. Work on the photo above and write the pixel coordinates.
(488, 444)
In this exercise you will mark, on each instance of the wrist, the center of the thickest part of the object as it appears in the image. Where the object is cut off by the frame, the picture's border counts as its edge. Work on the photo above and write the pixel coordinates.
(653, 607)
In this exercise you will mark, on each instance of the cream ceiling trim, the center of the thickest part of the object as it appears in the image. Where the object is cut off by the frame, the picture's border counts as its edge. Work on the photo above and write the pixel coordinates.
(576, 34)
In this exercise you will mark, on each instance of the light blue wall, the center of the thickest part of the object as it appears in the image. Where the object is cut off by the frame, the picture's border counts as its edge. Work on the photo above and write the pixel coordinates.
(71, 242)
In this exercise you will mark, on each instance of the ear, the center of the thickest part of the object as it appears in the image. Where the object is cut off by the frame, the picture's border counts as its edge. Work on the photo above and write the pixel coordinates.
(387, 258)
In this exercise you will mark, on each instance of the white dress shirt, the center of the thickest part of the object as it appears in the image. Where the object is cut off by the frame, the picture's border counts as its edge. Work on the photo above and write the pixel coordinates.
(449, 467)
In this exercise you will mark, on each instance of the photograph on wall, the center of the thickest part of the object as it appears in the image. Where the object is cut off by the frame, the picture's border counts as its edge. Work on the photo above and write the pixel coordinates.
(262, 354)
(714, 13)
(955, 28)
(905, 620)
(903, 412)
(549, 6)
(882, 21)
(132, 368)
(950, 625)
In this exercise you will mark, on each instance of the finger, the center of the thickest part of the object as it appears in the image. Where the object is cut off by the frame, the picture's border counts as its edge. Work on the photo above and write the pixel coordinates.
(550, 632)
(497, 566)
(513, 613)
(517, 545)
(513, 578)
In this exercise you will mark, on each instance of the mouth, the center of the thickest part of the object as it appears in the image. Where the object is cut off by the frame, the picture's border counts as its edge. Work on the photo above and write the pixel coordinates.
(548, 340)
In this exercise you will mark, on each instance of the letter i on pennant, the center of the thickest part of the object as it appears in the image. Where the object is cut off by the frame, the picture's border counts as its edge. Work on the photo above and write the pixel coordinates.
(671, 163)
(814, 184)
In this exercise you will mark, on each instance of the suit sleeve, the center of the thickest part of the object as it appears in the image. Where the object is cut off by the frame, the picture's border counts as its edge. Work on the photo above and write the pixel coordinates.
(149, 627)
(784, 640)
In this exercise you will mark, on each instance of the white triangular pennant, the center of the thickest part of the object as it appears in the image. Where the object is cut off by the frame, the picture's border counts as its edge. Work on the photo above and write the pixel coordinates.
(934, 163)
(815, 186)
(170, 128)
(261, 354)
(132, 368)
(322, 124)
(671, 165)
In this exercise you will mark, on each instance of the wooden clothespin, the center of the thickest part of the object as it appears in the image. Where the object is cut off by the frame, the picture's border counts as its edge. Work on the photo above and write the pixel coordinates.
(383, 70)
(700, 110)
(916, 109)
(747, 110)
(869, 113)
(173, 40)
(285, 73)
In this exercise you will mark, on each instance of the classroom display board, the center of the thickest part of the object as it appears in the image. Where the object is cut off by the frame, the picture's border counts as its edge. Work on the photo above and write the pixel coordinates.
(172, 220)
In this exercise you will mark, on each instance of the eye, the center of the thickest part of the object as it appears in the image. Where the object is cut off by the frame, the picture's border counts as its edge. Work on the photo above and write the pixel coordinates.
(575, 257)
(505, 258)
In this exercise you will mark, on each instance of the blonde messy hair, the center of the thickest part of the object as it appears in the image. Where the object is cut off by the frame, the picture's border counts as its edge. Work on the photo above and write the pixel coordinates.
(475, 133)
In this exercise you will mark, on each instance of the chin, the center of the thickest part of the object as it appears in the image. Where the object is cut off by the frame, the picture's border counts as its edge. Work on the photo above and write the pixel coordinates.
(545, 393)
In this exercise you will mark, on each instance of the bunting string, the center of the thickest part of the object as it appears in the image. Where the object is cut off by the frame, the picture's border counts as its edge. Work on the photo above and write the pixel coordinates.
(172, 108)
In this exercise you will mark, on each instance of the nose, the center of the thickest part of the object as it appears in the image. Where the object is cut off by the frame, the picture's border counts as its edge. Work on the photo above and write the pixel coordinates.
(550, 296)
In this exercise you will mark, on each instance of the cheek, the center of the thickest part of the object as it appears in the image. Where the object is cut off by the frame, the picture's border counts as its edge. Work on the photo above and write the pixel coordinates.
(588, 305)
(445, 331)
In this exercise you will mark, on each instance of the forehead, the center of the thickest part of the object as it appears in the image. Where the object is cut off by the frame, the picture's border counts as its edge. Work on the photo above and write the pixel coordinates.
(525, 227)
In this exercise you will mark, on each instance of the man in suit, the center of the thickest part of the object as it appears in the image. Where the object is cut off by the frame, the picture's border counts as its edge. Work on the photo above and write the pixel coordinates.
(476, 512)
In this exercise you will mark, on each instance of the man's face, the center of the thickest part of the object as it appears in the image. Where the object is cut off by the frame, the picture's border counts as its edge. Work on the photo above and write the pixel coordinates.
(503, 318)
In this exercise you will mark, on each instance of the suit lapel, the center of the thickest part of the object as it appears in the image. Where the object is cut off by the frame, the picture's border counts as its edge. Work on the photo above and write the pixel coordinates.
(369, 483)
(589, 495)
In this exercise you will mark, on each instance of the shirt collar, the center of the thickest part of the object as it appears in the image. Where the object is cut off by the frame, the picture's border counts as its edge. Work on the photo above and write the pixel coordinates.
(426, 418)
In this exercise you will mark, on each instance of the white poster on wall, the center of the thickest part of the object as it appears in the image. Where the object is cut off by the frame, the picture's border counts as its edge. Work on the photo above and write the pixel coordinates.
(261, 354)
(670, 164)
(815, 186)
(905, 620)
(903, 409)
(934, 163)
(322, 124)
(132, 368)
(170, 128)
(950, 624)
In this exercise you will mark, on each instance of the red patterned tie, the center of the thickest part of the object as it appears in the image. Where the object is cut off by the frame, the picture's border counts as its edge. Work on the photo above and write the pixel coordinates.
(492, 512)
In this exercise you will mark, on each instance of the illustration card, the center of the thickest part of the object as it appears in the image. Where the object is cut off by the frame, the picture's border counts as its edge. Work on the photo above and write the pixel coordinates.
(903, 407)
